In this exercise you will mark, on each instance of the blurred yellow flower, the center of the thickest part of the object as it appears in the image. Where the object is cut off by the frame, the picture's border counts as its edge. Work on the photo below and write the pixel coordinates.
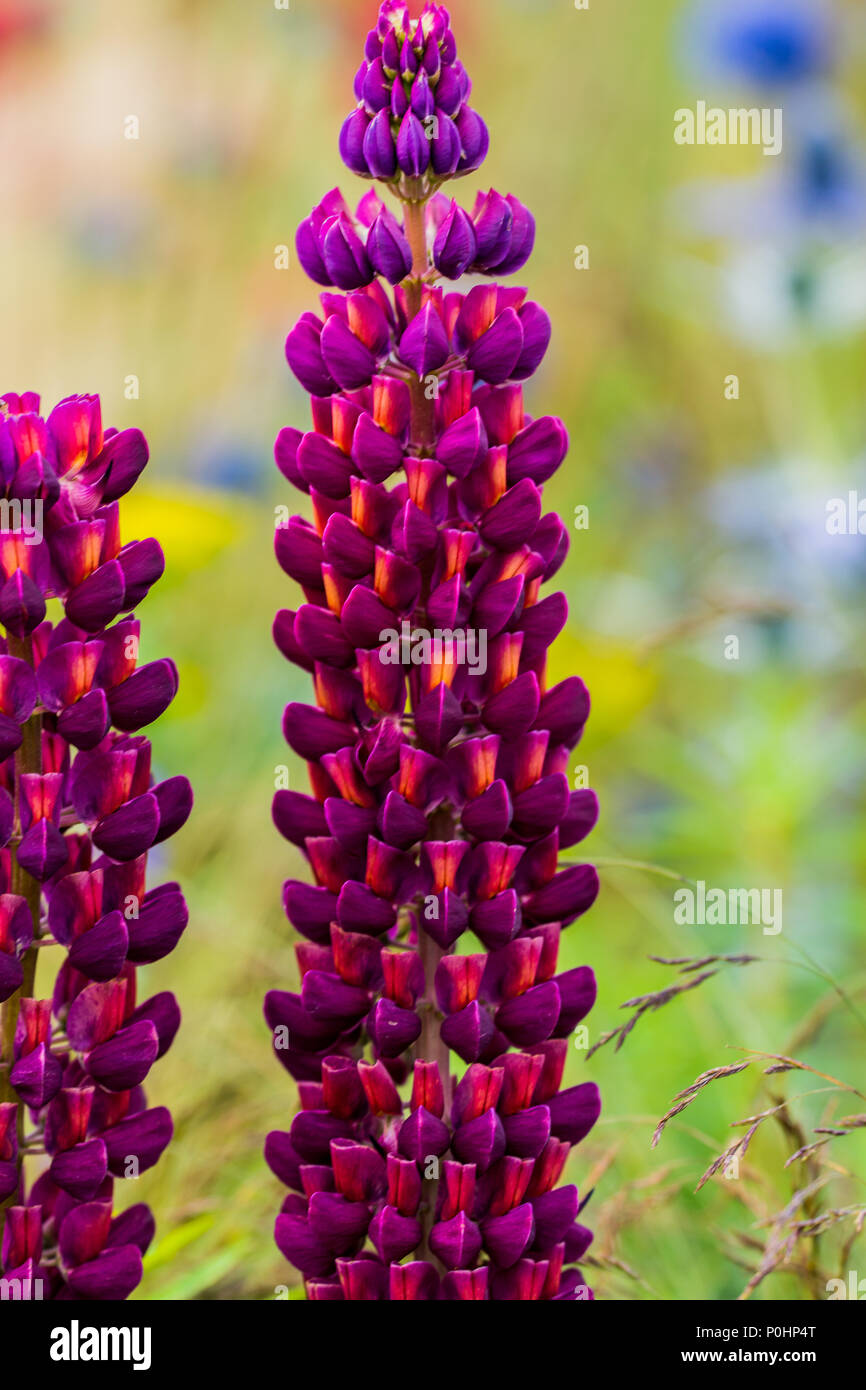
(620, 684)
(193, 525)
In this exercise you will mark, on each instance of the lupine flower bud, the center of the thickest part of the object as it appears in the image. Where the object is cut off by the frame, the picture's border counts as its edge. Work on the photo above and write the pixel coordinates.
(79, 811)
(387, 247)
(504, 234)
(455, 247)
(412, 126)
(335, 249)
(437, 749)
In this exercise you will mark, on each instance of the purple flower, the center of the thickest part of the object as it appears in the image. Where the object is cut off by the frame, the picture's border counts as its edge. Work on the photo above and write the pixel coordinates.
(337, 249)
(79, 810)
(438, 754)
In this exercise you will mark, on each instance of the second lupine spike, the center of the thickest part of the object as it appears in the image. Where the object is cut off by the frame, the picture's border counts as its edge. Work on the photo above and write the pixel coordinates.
(79, 811)
(429, 1035)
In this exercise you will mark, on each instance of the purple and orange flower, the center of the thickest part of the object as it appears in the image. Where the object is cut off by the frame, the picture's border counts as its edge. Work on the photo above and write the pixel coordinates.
(429, 1035)
(79, 811)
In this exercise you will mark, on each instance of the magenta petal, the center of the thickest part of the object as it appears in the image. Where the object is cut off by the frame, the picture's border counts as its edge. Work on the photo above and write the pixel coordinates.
(282, 1158)
(388, 249)
(527, 1131)
(446, 145)
(379, 151)
(124, 457)
(285, 457)
(18, 689)
(302, 1246)
(11, 977)
(424, 345)
(142, 1137)
(507, 1237)
(321, 635)
(537, 451)
(513, 709)
(296, 816)
(466, 1285)
(35, 1078)
(474, 140)
(327, 998)
(577, 993)
(480, 1141)
(124, 1060)
(143, 563)
(42, 850)
(83, 1232)
(536, 338)
(531, 1017)
(11, 736)
(413, 146)
(144, 695)
(309, 253)
(555, 1214)
(494, 355)
(580, 818)
(81, 1169)
(160, 923)
(454, 247)
(415, 1281)
(112, 1275)
(352, 142)
(468, 1032)
(129, 831)
(514, 517)
(304, 356)
(568, 894)
(376, 453)
(574, 1112)
(174, 801)
(340, 1224)
(457, 1243)
(99, 599)
(363, 1280)
(85, 723)
(393, 1235)
(348, 360)
(100, 952)
(22, 606)
(163, 1012)
(134, 1226)
(463, 445)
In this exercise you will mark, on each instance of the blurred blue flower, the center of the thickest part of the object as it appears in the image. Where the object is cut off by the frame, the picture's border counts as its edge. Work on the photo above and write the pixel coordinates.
(770, 525)
(773, 519)
(769, 42)
(227, 462)
(794, 261)
(826, 182)
(817, 192)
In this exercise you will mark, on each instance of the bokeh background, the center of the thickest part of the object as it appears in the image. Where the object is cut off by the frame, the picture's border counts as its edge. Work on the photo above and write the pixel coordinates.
(144, 268)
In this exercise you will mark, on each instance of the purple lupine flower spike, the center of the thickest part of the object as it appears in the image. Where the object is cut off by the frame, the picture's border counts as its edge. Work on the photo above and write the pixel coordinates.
(79, 811)
(428, 1036)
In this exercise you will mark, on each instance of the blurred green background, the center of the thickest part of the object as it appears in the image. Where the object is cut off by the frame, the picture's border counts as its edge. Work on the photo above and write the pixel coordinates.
(148, 266)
